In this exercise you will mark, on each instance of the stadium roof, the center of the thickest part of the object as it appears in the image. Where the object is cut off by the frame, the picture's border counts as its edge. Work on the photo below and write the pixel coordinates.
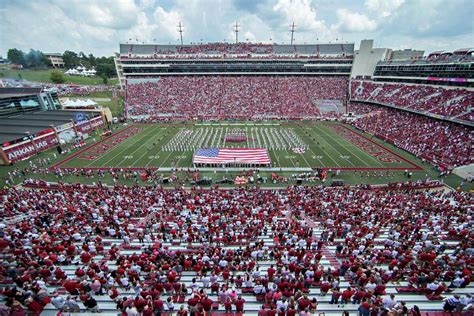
(17, 91)
(17, 126)
(14, 95)
(150, 49)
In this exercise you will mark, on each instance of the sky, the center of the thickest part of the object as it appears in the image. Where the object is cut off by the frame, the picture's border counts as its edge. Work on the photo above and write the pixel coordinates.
(98, 26)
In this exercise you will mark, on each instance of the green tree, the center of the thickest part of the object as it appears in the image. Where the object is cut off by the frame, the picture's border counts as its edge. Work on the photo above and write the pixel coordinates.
(92, 60)
(105, 80)
(71, 60)
(16, 56)
(57, 76)
(34, 59)
(106, 69)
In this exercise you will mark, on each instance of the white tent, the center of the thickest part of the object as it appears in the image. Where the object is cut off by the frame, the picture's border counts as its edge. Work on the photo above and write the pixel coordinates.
(81, 71)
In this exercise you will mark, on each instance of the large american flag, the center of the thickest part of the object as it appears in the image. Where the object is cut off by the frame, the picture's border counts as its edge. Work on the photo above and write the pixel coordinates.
(258, 156)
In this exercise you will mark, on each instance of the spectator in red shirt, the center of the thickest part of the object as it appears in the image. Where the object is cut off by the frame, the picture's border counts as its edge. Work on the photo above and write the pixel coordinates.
(239, 304)
(346, 295)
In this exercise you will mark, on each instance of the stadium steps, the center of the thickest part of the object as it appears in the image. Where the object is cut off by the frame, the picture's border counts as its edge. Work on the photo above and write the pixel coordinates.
(254, 307)
(108, 307)
(463, 113)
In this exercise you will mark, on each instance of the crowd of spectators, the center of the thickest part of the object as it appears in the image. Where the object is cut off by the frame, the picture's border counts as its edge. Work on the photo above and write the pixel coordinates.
(61, 89)
(448, 102)
(81, 90)
(445, 145)
(170, 55)
(239, 48)
(245, 97)
(258, 50)
(361, 108)
(49, 229)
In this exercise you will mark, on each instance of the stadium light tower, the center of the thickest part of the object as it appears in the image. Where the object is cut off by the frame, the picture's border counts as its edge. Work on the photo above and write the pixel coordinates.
(292, 30)
(180, 30)
(236, 30)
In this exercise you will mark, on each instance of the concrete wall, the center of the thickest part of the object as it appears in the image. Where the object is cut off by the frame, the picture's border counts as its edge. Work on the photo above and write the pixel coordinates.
(366, 58)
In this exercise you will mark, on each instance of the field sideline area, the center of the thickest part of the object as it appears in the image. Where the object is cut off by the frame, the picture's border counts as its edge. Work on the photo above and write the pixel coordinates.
(291, 146)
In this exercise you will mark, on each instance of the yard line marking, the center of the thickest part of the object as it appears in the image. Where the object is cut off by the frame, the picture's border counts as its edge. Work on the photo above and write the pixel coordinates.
(326, 153)
(309, 148)
(161, 144)
(152, 129)
(383, 146)
(126, 148)
(85, 149)
(166, 159)
(330, 144)
(159, 133)
(352, 145)
(114, 149)
(379, 163)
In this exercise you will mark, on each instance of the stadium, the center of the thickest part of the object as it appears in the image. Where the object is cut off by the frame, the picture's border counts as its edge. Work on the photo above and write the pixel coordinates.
(243, 178)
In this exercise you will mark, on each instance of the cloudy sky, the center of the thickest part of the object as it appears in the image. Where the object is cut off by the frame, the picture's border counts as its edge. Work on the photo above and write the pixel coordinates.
(98, 26)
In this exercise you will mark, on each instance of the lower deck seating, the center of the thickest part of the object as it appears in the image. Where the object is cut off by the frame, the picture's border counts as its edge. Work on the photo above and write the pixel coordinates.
(117, 247)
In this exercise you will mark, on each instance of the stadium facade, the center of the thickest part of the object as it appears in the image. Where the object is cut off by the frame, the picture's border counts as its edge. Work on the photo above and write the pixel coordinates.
(141, 61)
(259, 69)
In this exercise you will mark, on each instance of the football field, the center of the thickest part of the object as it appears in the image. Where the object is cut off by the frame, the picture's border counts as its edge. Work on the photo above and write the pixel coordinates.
(292, 146)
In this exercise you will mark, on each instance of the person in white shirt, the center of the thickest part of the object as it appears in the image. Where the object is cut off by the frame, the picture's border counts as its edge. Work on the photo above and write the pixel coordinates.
(205, 281)
(389, 302)
(71, 305)
(58, 301)
(131, 310)
(124, 281)
(458, 281)
(259, 289)
(282, 305)
(370, 286)
(467, 303)
(433, 286)
(76, 236)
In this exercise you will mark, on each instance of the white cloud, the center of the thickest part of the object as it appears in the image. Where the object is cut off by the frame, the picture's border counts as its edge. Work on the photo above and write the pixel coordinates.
(143, 4)
(167, 22)
(354, 22)
(98, 26)
(383, 8)
(304, 14)
(252, 28)
(105, 13)
(144, 31)
(300, 11)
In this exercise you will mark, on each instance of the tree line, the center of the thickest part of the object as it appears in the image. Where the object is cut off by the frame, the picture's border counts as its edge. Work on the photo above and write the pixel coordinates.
(104, 66)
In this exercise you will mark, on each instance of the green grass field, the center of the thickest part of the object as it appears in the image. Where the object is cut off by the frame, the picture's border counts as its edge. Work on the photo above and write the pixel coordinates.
(138, 146)
(327, 145)
(44, 76)
(330, 145)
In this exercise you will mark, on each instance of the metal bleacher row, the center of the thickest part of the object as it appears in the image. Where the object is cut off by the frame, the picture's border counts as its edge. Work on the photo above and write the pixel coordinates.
(108, 306)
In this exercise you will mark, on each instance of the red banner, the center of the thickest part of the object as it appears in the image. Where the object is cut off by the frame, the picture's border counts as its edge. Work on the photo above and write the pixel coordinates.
(21, 151)
(46, 142)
